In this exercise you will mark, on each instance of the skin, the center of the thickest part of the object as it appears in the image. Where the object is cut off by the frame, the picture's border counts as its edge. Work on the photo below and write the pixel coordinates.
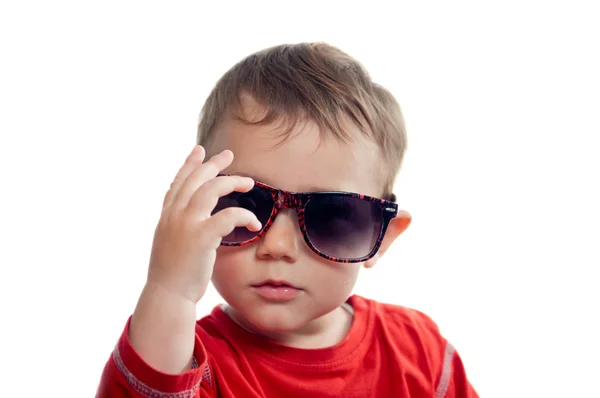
(186, 253)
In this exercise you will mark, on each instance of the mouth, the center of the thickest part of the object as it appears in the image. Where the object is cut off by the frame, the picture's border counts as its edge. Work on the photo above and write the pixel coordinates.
(277, 291)
(276, 284)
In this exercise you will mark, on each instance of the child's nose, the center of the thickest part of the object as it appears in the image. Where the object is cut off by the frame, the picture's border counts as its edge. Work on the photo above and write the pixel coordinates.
(283, 239)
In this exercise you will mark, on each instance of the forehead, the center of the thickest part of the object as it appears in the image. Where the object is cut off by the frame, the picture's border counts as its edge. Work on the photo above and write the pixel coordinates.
(304, 161)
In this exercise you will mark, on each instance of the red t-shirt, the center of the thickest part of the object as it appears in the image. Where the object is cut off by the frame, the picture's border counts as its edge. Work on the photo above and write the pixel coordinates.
(390, 351)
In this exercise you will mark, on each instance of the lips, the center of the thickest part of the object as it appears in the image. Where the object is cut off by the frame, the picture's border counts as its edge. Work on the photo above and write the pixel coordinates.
(274, 283)
(277, 291)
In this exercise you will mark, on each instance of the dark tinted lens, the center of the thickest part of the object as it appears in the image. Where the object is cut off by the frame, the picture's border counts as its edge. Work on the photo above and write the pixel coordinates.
(257, 200)
(342, 226)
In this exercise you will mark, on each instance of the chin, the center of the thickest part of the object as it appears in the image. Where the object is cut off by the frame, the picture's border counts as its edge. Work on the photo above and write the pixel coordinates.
(272, 318)
(275, 320)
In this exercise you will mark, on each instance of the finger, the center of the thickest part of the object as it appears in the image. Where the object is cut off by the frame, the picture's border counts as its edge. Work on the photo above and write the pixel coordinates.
(204, 200)
(223, 222)
(200, 175)
(194, 159)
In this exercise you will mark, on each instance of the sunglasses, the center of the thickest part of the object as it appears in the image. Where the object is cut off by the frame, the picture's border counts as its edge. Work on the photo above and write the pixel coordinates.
(340, 226)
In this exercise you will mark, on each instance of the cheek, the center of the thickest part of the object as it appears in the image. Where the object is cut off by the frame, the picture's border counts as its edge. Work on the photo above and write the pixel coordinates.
(335, 278)
(231, 267)
(350, 274)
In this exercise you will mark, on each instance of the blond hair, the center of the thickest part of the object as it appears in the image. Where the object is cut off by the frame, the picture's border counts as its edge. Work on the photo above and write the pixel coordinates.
(311, 81)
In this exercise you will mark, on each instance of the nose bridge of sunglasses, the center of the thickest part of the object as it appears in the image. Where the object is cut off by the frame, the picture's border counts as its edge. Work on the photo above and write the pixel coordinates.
(289, 200)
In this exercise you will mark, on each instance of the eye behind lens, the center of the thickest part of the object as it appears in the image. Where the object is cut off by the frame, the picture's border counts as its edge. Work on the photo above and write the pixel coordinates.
(343, 226)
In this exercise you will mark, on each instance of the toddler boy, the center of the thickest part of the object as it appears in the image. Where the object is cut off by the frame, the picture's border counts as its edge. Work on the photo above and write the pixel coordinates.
(288, 193)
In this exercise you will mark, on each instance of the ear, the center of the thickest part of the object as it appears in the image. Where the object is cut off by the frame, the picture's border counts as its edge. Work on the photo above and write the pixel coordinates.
(397, 225)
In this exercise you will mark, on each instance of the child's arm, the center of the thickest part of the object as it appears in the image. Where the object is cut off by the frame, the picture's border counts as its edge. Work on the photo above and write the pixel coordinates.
(160, 340)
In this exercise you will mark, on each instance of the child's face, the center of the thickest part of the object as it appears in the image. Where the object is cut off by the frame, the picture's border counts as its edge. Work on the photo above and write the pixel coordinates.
(303, 163)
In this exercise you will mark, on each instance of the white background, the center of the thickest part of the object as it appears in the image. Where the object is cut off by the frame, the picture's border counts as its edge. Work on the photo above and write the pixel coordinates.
(98, 108)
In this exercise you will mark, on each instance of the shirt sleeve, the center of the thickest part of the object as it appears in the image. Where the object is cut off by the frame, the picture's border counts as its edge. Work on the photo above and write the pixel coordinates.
(453, 381)
(127, 375)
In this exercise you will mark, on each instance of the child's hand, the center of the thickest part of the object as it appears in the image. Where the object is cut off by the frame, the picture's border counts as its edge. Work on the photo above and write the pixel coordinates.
(187, 236)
